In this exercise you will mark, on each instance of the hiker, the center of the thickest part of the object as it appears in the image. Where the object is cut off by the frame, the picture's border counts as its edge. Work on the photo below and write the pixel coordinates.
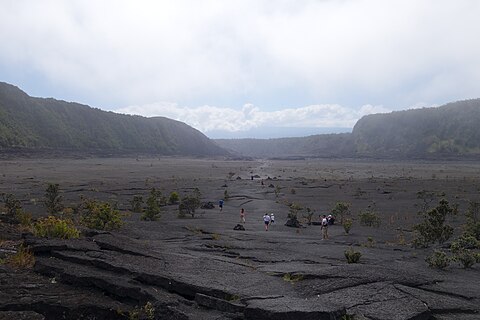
(220, 204)
(266, 221)
(242, 216)
(324, 227)
(272, 218)
(330, 219)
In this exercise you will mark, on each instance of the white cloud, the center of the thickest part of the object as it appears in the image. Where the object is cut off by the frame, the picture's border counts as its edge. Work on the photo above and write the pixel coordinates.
(208, 118)
(219, 52)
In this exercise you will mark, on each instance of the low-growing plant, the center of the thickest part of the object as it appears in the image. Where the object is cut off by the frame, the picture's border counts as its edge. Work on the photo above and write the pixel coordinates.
(309, 215)
(369, 217)
(53, 227)
(438, 259)
(226, 196)
(12, 204)
(347, 225)
(22, 259)
(370, 242)
(293, 210)
(24, 218)
(137, 204)
(146, 312)
(467, 258)
(174, 198)
(352, 255)
(100, 215)
(292, 278)
(277, 191)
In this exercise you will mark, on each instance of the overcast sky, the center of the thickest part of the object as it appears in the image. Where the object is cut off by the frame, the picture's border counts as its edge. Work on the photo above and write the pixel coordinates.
(240, 66)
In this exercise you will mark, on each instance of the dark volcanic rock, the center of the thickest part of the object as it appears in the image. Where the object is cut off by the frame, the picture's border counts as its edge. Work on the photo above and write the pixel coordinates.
(239, 227)
(293, 222)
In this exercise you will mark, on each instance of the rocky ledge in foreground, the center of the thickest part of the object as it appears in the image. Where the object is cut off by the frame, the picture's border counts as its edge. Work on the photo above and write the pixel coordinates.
(112, 276)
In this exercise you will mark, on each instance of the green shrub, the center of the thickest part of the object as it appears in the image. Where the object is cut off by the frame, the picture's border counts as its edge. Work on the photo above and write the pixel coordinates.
(433, 228)
(473, 220)
(226, 196)
(52, 227)
(24, 218)
(174, 198)
(153, 207)
(188, 205)
(100, 215)
(12, 205)
(369, 218)
(341, 210)
(53, 200)
(352, 255)
(137, 204)
(293, 210)
(465, 257)
(438, 259)
(22, 259)
(347, 225)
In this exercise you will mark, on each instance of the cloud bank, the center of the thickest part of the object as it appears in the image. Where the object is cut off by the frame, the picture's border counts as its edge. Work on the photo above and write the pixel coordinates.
(210, 118)
(272, 53)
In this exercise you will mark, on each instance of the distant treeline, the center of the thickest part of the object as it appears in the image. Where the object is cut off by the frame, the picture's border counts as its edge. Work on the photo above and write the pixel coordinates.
(452, 130)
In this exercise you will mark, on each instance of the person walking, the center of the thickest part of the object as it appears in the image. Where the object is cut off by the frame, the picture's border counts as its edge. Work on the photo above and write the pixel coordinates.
(272, 219)
(242, 215)
(324, 227)
(220, 204)
(266, 221)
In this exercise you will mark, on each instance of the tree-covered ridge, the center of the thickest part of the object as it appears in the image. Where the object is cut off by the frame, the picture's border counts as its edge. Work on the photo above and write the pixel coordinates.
(29, 122)
(452, 129)
(449, 130)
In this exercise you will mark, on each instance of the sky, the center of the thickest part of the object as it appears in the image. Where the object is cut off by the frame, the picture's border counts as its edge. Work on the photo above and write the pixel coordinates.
(246, 68)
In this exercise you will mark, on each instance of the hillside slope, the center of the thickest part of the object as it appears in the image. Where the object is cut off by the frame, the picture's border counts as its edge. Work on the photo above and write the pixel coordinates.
(452, 130)
(37, 123)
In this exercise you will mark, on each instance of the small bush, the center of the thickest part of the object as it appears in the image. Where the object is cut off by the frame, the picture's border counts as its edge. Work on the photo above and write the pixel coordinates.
(174, 198)
(100, 215)
(352, 255)
(53, 199)
(369, 218)
(23, 259)
(341, 210)
(226, 196)
(465, 257)
(137, 204)
(188, 205)
(12, 205)
(292, 278)
(438, 259)
(153, 207)
(146, 312)
(52, 227)
(24, 218)
(347, 225)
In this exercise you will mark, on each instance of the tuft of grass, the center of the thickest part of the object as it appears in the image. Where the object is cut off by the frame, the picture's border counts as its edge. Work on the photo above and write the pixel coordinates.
(292, 278)
(23, 259)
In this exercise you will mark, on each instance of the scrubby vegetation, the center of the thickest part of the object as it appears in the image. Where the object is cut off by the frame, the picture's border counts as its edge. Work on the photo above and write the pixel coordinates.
(433, 228)
(347, 225)
(189, 203)
(53, 227)
(369, 217)
(137, 204)
(153, 206)
(53, 199)
(22, 259)
(438, 259)
(100, 215)
(341, 211)
(352, 256)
